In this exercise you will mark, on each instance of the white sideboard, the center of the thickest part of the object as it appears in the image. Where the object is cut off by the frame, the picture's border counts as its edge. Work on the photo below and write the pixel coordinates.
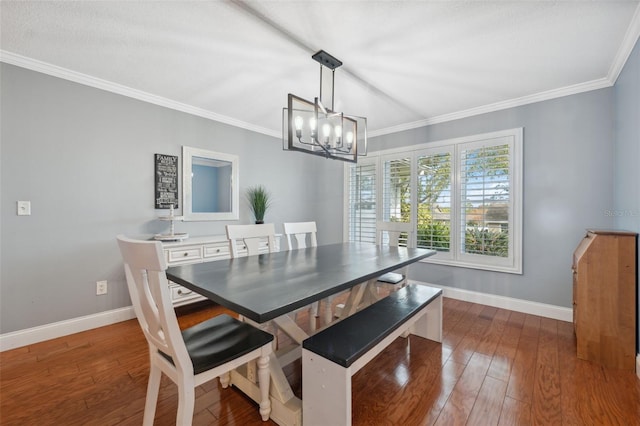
(197, 250)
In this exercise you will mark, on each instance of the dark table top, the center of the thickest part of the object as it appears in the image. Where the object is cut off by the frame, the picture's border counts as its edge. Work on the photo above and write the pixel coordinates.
(269, 285)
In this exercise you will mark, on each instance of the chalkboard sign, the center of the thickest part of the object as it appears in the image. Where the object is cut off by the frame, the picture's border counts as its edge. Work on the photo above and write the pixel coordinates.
(166, 181)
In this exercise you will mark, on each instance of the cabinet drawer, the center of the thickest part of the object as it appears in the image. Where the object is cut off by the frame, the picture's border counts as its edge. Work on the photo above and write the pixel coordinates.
(179, 293)
(215, 251)
(184, 254)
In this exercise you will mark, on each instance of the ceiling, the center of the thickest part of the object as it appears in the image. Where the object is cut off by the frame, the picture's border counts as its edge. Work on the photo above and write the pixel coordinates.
(406, 63)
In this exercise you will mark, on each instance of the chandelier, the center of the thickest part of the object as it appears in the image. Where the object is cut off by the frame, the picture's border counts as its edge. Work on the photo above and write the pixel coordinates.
(316, 128)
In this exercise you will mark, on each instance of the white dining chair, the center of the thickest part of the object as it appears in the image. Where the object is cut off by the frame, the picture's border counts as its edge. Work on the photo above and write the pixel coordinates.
(248, 240)
(297, 235)
(390, 233)
(192, 356)
(251, 238)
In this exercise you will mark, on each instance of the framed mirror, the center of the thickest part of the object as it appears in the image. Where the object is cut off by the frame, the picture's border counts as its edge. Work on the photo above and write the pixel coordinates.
(210, 189)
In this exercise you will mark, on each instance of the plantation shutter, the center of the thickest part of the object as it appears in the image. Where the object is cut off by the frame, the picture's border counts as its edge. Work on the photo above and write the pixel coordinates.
(362, 202)
(434, 200)
(463, 198)
(396, 190)
(485, 191)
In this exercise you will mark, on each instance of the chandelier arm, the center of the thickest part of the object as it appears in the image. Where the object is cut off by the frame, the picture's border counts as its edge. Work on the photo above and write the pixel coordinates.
(316, 143)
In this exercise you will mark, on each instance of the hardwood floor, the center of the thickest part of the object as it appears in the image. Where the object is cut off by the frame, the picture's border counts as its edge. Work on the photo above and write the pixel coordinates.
(494, 367)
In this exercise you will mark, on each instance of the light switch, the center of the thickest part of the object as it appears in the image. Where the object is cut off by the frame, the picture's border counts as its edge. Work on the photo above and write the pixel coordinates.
(24, 208)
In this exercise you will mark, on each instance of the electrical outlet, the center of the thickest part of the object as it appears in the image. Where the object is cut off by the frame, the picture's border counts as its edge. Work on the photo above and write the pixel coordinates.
(24, 208)
(101, 288)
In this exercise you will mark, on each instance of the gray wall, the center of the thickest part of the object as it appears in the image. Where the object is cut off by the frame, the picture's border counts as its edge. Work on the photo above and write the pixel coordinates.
(84, 158)
(627, 159)
(568, 181)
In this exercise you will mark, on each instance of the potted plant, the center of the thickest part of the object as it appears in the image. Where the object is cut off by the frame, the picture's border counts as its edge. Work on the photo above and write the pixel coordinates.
(259, 201)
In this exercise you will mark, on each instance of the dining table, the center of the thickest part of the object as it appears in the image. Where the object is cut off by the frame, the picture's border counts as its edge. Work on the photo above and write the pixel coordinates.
(267, 289)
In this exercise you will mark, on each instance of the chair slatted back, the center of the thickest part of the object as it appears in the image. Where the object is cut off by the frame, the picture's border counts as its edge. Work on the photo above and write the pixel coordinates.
(251, 236)
(299, 232)
(145, 270)
(394, 231)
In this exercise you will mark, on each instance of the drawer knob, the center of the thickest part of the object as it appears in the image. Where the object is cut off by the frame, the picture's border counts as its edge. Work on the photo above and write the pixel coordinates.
(218, 251)
(186, 254)
(180, 292)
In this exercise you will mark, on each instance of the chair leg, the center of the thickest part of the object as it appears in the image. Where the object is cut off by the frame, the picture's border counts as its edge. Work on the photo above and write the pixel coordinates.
(186, 401)
(225, 378)
(263, 382)
(153, 388)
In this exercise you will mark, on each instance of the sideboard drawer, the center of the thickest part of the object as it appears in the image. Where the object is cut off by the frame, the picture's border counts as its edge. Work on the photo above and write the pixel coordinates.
(179, 292)
(200, 249)
(216, 251)
(181, 295)
(184, 254)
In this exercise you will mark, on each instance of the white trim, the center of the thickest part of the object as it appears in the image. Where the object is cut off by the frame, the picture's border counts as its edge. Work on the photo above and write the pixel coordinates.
(625, 49)
(631, 36)
(503, 302)
(498, 106)
(98, 83)
(515, 131)
(622, 55)
(29, 336)
(638, 365)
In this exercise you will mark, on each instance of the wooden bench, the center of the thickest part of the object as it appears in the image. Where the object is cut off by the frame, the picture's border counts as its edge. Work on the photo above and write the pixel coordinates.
(332, 356)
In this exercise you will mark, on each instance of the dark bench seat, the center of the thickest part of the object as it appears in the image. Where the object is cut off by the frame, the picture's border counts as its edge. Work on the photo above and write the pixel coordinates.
(332, 356)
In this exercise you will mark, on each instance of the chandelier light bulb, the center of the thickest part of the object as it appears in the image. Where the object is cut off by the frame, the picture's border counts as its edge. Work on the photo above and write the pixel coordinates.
(298, 123)
(313, 124)
(349, 139)
(338, 130)
(326, 132)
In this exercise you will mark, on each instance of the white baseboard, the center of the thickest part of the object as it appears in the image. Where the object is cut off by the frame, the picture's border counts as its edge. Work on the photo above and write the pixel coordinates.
(28, 336)
(638, 365)
(519, 305)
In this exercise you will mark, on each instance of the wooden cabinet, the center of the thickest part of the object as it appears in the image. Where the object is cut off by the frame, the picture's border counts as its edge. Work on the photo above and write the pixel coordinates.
(197, 250)
(604, 298)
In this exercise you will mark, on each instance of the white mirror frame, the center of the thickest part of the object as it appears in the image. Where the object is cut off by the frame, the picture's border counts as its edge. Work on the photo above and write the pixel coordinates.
(188, 153)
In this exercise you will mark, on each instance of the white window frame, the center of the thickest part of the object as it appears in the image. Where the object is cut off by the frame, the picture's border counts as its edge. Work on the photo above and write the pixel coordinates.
(513, 137)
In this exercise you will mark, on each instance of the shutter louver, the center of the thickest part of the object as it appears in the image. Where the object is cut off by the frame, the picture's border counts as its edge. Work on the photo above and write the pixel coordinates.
(485, 200)
(434, 202)
(362, 202)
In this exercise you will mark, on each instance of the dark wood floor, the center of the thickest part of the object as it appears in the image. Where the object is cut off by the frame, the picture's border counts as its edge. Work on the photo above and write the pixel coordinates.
(495, 367)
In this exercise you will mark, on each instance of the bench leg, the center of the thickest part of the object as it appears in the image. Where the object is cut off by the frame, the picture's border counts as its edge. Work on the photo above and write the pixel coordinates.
(326, 392)
(429, 326)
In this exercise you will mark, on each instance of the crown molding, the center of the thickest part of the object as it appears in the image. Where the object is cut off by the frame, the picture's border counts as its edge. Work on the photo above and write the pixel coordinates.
(98, 83)
(631, 37)
(628, 43)
(497, 106)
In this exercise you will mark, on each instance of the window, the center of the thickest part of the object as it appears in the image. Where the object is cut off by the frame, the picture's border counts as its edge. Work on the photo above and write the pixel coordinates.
(434, 200)
(361, 192)
(396, 190)
(463, 198)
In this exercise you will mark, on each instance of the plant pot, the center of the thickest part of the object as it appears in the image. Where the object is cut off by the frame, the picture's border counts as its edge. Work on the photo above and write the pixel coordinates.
(259, 222)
